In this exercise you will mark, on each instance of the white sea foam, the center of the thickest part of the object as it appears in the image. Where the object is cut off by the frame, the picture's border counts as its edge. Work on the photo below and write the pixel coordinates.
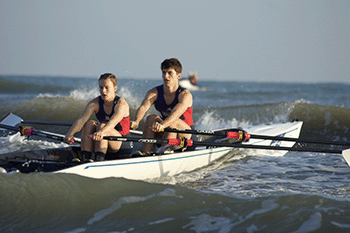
(341, 225)
(42, 95)
(16, 142)
(129, 96)
(85, 94)
(161, 221)
(77, 230)
(210, 120)
(127, 200)
(206, 222)
(312, 224)
(88, 94)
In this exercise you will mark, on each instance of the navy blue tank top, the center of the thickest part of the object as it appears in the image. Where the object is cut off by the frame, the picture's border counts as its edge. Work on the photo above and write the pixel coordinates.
(123, 126)
(162, 107)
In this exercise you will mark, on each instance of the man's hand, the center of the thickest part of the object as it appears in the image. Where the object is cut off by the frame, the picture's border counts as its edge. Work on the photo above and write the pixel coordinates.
(157, 127)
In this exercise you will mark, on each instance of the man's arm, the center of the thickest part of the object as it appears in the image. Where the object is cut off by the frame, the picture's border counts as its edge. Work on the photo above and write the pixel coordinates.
(146, 104)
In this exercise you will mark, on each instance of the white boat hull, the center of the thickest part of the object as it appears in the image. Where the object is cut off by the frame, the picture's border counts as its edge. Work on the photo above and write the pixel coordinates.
(176, 163)
(149, 167)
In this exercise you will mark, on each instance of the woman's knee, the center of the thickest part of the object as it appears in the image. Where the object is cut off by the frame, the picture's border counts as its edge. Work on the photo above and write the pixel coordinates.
(114, 146)
(100, 126)
(89, 127)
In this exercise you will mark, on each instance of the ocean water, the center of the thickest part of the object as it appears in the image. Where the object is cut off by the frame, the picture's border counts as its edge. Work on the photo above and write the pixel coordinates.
(251, 191)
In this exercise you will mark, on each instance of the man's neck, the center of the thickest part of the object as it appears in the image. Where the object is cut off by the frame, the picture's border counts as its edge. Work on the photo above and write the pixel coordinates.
(170, 89)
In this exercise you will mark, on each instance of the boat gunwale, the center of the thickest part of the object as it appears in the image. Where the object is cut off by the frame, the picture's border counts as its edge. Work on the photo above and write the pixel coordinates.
(156, 158)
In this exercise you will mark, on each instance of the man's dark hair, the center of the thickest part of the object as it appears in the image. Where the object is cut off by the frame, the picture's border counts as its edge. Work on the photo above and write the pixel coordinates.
(172, 63)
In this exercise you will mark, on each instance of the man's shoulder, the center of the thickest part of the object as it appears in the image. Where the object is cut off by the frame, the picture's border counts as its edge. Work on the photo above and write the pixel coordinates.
(154, 90)
(185, 92)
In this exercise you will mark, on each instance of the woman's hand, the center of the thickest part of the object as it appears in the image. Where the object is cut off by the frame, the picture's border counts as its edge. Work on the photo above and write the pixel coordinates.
(134, 125)
(97, 136)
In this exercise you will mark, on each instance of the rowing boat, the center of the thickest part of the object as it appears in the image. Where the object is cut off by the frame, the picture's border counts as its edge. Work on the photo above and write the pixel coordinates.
(64, 160)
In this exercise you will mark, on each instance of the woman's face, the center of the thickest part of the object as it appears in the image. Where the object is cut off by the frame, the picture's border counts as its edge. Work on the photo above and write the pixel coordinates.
(107, 89)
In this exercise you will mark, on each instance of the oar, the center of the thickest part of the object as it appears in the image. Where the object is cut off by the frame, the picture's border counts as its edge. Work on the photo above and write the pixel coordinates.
(232, 133)
(346, 155)
(182, 143)
(66, 124)
(17, 119)
(47, 123)
(10, 119)
(28, 131)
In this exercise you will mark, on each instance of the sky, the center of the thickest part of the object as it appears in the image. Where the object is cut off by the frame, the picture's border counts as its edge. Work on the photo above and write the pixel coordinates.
(250, 40)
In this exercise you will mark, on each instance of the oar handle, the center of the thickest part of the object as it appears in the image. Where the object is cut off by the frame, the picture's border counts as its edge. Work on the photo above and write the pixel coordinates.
(28, 131)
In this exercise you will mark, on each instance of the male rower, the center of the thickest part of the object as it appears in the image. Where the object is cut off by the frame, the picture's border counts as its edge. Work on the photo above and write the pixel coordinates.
(113, 117)
(173, 103)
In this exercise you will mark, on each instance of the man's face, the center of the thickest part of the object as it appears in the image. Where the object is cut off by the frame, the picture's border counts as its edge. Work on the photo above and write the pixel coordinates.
(170, 76)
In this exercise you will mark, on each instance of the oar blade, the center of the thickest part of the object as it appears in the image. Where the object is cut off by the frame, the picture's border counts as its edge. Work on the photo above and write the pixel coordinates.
(346, 155)
(11, 120)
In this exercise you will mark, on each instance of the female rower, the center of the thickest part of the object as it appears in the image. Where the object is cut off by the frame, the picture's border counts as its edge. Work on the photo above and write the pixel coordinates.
(113, 117)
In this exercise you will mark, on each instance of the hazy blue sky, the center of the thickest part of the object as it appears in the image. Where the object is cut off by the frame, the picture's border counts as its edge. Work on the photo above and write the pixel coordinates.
(292, 41)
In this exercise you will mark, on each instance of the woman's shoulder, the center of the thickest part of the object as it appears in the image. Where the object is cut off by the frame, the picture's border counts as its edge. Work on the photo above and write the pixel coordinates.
(121, 101)
(94, 103)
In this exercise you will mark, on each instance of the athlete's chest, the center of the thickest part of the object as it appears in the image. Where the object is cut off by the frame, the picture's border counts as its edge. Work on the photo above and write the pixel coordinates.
(108, 108)
(169, 98)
